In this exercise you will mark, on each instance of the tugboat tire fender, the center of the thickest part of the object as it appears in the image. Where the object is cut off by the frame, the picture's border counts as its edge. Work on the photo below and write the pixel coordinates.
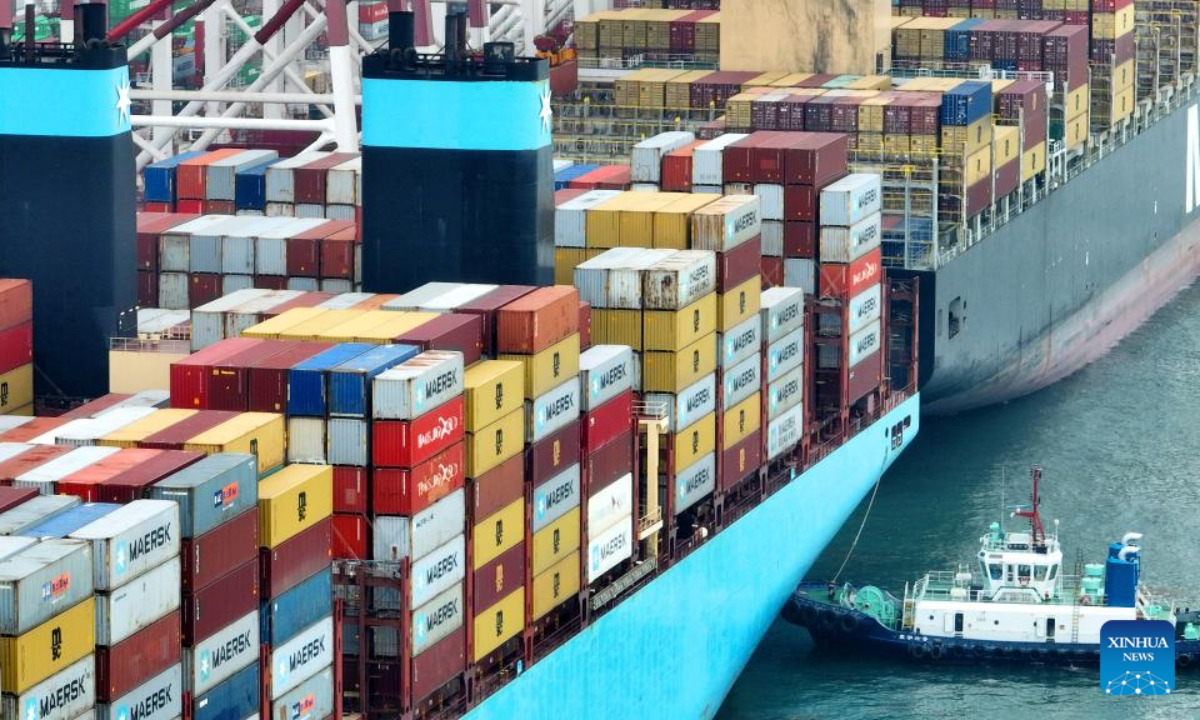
(808, 614)
(936, 652)
(826, 622)
(979, 651)
(917, 650)
(849, 624)
(1184, 660)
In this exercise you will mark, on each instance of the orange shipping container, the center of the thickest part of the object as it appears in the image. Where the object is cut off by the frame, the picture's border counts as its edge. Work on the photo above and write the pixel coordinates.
(536, 321)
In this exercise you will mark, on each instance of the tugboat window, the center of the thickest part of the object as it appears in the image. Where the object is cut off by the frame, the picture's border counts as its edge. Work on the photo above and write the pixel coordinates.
(994, 571)
(1053, 572)
(1039, 572)
(1024, 572)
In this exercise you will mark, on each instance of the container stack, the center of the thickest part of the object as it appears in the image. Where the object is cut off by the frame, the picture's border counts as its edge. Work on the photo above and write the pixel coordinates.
(849, 330)
(786, 379)
(16, 347)
(1113, 64)
(966, 149)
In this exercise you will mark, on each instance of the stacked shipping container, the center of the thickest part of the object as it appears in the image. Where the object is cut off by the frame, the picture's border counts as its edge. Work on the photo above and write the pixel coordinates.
(16, 347)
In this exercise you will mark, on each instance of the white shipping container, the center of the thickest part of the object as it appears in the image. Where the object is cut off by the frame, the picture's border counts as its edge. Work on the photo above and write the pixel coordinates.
(851, 199)
(131, 540)
(453, 299)
(139, 602)
(346, 300)
(254, 311)
(33, 511)
(418, 385)
(800, 273)
(865, 342)
(174, 246)
(65, 695)
(694, 483)
(609, 506)
(303, 284)
(270, 245)
(846, 244)
(625, 278)
(414, 299)
(707, 189)
(205, 247)
(340, 212)
(173, 290)
(9, 450)
(742, 341)
(92, 429)
(570, 218)
(208, 320)
(341, 183)
(646, 158)
(552, 411)
(864, 308)
(221, 176)
(336, 285)
(41, 581)
(280, 180)
(159, 698)
(10, 546)
(724, 224)
(437, 524)
(301, 657)
(706, 162)
(772, 239)
(348, 438)
(591, 276)
(219, 657)
(782, 311)
(771, 199)
(608, 549)
(11, 422)
(313, 700)
(44, 476)
(679, 280)
(785, 393)
(784, 432)
(644, 187)
(306, 440)
(437, 571)
(741, 381)
(436, 619)
(555, 497)
(605, 371)
(785, 354)
(687, 407)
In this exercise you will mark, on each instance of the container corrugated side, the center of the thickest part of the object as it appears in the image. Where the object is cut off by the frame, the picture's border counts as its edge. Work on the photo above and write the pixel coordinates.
(785, 354)
(438, 618)
(679, 280)
(553, 411)
(846, 244)
(222, 655)
(312, 700)
(606, 507)
(159, 698)
(418, 385)
(259, 434)
(851, 199)
(497, 533)
(742, 341)
(347, 442)
(33, 511)
(555, 497)
(428, 530)
(782, 311)
(499, 623)
(132, 540)
(210, 492)
(864, 343)
(570, 218)
(605, 372)
(864, 308)
(554, 541)
(695, 483)
(41, 581)
(237, 697)
(608, 549)
(63, 696)
(785, 393)
(284, 617)
(46, 475)
(784, 432)
(300, 658)
(438, 569)
(48, 648)
(685, 408)
(138, 603)
(306, 440)
(706, 160)
(293, 500)
(724, 224)
(493, 389)
(556, 585)
(550, 367)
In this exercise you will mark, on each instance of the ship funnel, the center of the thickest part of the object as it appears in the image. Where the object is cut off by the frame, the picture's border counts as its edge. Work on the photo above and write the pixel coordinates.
(92, 21)
(1131, 537)
(1122, 571)
(456, 36)
(401, 31)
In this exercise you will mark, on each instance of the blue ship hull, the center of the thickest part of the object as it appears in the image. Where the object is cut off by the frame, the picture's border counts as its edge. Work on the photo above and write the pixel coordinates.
(675, 648)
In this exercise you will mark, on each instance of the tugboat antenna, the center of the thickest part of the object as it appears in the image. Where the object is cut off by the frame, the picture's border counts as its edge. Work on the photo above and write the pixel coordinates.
(1037, 530)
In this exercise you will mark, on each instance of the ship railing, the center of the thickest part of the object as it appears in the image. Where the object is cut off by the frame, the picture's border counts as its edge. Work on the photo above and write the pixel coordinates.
(152, 344)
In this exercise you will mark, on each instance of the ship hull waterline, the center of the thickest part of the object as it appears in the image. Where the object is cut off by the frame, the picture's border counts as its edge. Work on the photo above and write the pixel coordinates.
(675, 648)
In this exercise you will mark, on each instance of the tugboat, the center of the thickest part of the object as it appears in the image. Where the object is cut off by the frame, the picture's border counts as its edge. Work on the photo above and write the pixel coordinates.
(1014, 604)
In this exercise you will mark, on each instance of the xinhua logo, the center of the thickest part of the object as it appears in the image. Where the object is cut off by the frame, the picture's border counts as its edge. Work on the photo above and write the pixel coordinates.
(1137, 657)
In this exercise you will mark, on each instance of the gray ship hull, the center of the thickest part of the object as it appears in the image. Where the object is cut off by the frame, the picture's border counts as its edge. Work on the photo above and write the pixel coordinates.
(1058, 285)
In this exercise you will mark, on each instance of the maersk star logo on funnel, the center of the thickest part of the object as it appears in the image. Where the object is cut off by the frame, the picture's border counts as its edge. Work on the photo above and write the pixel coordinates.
(1137, 657)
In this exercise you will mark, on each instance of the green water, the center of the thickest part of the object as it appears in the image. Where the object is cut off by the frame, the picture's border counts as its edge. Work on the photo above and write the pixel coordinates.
(1118, 444)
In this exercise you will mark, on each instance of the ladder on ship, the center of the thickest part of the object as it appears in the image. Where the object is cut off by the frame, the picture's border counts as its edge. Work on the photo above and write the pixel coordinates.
(1075, 606)
(910, 606)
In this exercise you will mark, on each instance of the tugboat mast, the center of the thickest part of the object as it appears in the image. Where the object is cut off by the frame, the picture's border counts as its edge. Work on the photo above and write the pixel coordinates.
(1037, 531)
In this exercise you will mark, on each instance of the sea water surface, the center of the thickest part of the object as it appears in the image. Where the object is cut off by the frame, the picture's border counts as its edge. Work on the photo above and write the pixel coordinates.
(1119, 444)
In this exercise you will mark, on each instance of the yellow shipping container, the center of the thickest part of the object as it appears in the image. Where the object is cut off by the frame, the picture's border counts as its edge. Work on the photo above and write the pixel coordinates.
(637, 219)
(897, 144)
(679, 88)
(1033, 162)
(979, 165)
(791, 80)
(500, 622)
(556, 586)
(1078, 101)
(671, 372)
(696, 441)
(16, 389)
(673, 223)
(1077, 130)
(493, 389)
(926, 145)
(270, 329)
(26, 411)
(674, 330)
(999, 86)
(1123, 76)
(739, 304)
(312, 329)
(260, 434)
(138, 430)
(549, 368)
(495, 443)
(498, 533)
(553, 542)
(355, 326)
(48, 648)
(1110, 26)
(602, 224)
(967, 140)
(398, 324)
(741, 421)
(1007, 144)
(617, 327)
(565, 260)
(767, 78)
(293, 500)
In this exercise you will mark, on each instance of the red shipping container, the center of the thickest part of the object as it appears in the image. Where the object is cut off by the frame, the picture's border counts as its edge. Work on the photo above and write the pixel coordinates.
(463, 333)
(216, 553)
(816, 158)
(16, 302)
(486, 308)
(496, 580)
(191, 175)
(350, 540)
(270, 282)
(85, 484)
(157, 207)
(131, 484)
(567, 194)
(439, 664)
(190, 206)
(30, 459)
(536, 321)
(220, 603)
(739, 264)
(295, 559)
(16, 346)
(10, 497)
(371, 13)
(408, 443)
(608, 422)
(203, 288)
(979, 196)
(398, 491)
(33, 428)
(772, 272)
(800, 240)
(95, 407)
(677, 168)
(136, 659)
(174, 437)
(801, 203)
(304, 249)
(147, 289)
(228, 380)
(268, 379)
(496, 489)
(740, 461)
(585, 326)
(308, 299)
(337, 255)
(1008, 177)
(551, 455)
(219, 207)
(310, 179)
(189, 376)
(149, 227)
(350, 486)
(865, 377)
(613, 461)
(736, 160)
(846, 281)
(609, 177)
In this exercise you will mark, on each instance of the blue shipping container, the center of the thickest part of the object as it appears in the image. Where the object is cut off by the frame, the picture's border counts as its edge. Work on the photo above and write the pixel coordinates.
(967, 103)
(235, 699)
(283, 618)
(250, 187)
(211, 492)
(563, 177)
(159, 177)
(350, 382)
(306, 380)
(63, 525)
(958, 40)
